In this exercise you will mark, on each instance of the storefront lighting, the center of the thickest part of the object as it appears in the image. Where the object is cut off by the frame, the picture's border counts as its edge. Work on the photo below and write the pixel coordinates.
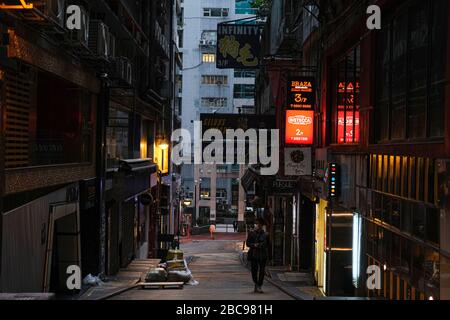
(385, 267)
(163, 146)
(356, 252)
(343, 215)
(431, 298)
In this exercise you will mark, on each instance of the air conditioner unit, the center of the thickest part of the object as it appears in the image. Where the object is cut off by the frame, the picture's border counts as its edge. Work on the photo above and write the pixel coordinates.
(81, 37)
(129, 73)
(99, 39)
(123, 70)
(111, 46)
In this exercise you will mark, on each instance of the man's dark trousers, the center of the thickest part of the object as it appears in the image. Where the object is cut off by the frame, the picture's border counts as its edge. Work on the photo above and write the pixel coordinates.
(258, 271)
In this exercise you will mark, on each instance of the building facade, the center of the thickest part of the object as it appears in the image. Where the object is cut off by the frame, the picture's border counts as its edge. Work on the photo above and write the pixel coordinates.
(86, 117)
(214, 191)
(381, 124)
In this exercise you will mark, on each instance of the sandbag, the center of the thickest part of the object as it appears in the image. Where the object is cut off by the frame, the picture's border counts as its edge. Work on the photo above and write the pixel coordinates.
(156, 275)
(174, 254)
(176, 264)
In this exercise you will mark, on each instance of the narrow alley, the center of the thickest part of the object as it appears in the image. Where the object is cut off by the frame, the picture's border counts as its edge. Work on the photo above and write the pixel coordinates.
(217, 267)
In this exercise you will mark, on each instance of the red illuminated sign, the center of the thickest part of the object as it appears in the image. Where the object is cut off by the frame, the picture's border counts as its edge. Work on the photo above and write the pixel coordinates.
(348, 121)
(299, 127)
(348, 127)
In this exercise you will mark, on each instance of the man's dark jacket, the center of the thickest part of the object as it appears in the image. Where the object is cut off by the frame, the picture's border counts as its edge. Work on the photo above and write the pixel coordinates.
(257, 241)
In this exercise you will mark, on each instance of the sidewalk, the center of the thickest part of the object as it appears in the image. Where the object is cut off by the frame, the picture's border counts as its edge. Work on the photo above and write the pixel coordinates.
(125, 279)
(300, 286)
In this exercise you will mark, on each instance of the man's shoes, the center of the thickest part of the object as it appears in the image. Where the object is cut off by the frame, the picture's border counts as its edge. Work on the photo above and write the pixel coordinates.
(259, 290)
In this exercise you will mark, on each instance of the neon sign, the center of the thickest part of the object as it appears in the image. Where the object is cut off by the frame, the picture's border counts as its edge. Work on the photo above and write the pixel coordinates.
(22, 5)
(348, 127)
(348, 114)
(299, 127)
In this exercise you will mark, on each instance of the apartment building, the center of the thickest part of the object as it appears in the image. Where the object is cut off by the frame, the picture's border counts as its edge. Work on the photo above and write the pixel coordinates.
(215, 191)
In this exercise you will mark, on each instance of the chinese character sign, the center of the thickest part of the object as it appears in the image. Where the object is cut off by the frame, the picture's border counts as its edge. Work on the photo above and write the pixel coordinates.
(238, 46)
(299, 127)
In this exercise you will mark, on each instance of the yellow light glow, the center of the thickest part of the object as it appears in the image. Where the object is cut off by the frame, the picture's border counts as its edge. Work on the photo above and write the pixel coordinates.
(343, 215)
(144, 151)
(22, 5)
(163, 146)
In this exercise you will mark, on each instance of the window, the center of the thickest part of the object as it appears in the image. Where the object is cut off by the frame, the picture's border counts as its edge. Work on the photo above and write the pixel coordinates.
(205, 194)
(214, 80)
(432, 229)
(209, 37)
(59, 135)
(410, 64)
(208, 57)
(215, 12)
(418, 215)
(239, 73)
(214, 102)
(244, 91)
(346, 99)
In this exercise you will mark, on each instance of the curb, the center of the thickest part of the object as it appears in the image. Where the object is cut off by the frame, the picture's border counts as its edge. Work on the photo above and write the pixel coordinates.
(284, 289)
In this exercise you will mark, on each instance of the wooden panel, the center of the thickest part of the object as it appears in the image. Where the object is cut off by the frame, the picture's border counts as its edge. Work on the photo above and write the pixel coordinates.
(25, 244)
(19, 88)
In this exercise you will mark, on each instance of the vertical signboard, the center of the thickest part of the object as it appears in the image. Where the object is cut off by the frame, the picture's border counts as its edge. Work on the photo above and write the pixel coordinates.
(348, 112)
(299, 127)
(238, 46)
(301, 94)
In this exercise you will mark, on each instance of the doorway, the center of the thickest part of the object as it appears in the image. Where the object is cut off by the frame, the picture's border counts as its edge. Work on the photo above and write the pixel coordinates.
(306, 233)
(63, 246)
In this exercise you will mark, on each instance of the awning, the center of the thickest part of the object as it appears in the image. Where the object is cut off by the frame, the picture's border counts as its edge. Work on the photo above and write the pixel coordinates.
(250, 176)
(133, 165)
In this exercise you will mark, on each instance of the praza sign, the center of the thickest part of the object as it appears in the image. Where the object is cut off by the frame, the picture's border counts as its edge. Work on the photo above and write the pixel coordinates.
(73, 21)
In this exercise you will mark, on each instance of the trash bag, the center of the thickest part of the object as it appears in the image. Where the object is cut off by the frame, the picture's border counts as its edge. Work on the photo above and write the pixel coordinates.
(179, 276)
(193, 282)
(90, 280)
(156, 275)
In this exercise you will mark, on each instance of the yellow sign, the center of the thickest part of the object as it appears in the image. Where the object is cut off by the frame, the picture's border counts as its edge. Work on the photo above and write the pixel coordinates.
(22, 5)
(230, 46)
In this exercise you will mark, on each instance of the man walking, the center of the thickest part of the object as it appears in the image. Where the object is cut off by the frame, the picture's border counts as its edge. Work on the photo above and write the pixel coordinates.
(257, 255)
(235, 226)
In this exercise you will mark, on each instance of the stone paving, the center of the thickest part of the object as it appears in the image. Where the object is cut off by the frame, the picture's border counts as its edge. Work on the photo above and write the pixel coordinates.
(221, 275)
